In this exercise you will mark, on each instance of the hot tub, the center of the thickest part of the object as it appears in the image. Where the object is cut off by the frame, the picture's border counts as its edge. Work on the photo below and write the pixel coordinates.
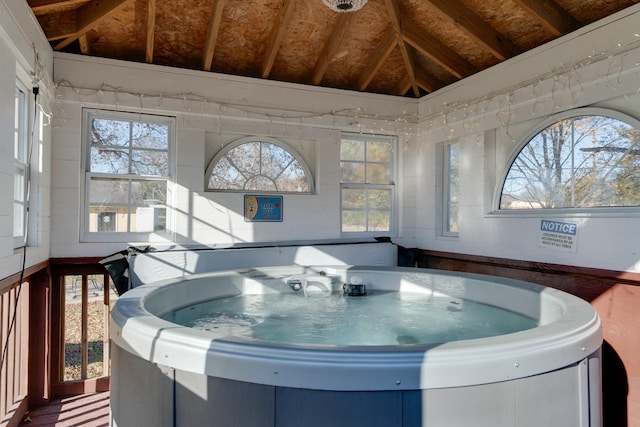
(544, 370)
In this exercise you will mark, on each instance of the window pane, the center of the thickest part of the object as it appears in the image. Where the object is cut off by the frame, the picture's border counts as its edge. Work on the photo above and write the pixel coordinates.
(274, 159)
(246, 158)
(352, 150)
(378, 151)
(451, 179)
(256, 183)
(150, 163)
(584, 161)
(19, 195)
(379, 221)
(107, 132)
(293, 179)
(225, 176)
(378, 174)
(379, 199)
(259, 166)
(353, 198)
(352, 172)
(354, 221)
(109, 192)
(145, 193)
(109, 160)
(150, 135)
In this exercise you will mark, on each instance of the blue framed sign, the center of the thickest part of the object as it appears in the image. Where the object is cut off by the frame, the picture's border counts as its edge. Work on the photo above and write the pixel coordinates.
(262, 208)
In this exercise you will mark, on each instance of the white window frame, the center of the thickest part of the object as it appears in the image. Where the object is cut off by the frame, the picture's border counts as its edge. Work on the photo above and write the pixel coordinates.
(447, 174)
(21, 165)
(393, 226)
(126, 236)
(261, 139)
(601, 211)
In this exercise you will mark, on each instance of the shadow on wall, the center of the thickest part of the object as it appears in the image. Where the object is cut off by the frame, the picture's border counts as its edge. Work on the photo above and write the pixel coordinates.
(615, 388)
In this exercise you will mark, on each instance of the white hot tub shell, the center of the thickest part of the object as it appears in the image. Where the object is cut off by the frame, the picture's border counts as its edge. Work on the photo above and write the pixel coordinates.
(164, 374)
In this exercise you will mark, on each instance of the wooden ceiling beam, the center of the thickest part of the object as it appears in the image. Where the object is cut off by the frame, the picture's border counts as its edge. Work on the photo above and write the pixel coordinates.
(151, 30)
(393, 10)
(90, 15)
(330, 48)
(437, 51)
(212, 33)
(477, 29)
(381, 54)
(549, 13)
(45, 7)
(277, 35)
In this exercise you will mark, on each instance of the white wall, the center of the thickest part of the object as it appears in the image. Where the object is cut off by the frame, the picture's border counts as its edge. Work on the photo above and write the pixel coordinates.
(212, 110)
(21, 40)
(492, 113)
(489, 114)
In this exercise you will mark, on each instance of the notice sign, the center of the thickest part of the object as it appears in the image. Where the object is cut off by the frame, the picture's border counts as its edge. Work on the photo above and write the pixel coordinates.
(262, 208)
(559, 235)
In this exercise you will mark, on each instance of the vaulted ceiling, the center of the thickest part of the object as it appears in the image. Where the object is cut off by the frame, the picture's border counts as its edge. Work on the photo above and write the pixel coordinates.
(399, 47)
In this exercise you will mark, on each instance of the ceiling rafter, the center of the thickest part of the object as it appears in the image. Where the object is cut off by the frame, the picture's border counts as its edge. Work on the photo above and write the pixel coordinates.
(330, 48)
(151, 30)
(90, 15)
(212, 33)
(277, 35)
(476, 28)
(45, 7)
(389, 42)
(84, 44)
(436, 50)
(393, 10)
(553, 17)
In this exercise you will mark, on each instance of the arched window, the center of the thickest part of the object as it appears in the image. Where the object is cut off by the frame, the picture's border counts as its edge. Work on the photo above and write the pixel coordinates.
(588, 158)
(258, 164)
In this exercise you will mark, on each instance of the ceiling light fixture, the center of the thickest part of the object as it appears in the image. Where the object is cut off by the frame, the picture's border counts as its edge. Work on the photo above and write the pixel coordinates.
(344, 5)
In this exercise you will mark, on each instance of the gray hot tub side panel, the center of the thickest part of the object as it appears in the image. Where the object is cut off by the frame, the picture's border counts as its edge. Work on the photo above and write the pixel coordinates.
(154, 395)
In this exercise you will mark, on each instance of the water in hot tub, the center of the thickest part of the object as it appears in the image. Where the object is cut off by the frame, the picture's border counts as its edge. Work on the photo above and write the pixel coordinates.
(322, 318)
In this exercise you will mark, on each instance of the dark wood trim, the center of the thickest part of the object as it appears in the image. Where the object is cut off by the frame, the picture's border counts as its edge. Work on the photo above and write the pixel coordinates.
(11, 281)
(39, 338)
(586, 272)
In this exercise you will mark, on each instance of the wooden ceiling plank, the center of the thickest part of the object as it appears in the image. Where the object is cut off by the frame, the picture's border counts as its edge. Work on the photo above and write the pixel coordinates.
(45, 7)
(330, 48)
(437, 51)
(277, 35)
(90, 15)
(377, 60)
(393, 10)
(151, 30)
(212, 33)
(551, 15)
(476, 28)
(59, 26)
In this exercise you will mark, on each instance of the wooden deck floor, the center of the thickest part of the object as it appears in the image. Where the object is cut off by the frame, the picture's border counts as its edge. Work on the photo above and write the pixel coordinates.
(90, 410)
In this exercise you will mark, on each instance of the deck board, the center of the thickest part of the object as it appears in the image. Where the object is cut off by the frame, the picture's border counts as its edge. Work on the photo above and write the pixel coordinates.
(87, 410)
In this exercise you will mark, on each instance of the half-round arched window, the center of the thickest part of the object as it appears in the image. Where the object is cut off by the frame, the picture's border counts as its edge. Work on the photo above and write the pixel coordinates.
(258, 164)
(585, 158)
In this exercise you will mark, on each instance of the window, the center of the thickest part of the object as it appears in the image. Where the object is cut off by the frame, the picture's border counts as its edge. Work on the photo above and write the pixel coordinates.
(367, 184)
(258, 164)
(128, 172)
(451, 180)
(589, 159)
(20, 171)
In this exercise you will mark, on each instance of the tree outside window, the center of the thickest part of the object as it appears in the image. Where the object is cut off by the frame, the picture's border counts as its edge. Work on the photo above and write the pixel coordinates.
(258, 164)
(367, 184)
(128, 172)
(581, 161)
